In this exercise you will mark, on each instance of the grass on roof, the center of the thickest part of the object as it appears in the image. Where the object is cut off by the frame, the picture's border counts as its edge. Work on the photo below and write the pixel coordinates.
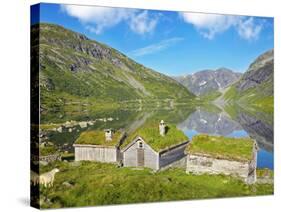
(222, 147)
(97, 137)
(150, 134)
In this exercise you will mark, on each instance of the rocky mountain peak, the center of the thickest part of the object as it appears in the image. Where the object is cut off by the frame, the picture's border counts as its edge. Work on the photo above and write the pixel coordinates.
(208, 80)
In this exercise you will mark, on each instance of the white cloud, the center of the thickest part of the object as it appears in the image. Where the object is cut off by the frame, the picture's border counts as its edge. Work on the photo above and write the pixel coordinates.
(98, 19)
(141, 23)
(153, 48)
(209, 25)
(248, 29)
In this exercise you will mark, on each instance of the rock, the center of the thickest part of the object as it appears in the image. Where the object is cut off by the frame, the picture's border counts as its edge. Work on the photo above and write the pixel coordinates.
(67, 184)
(59, 129)
(43, 144)
(75, 163)
(70, 124)
(110, 185)
(91, 123)
(83, 124)
(43, 163)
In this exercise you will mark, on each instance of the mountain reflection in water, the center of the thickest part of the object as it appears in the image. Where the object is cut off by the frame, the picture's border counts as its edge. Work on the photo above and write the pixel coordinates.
(191, 121)
(244, 125)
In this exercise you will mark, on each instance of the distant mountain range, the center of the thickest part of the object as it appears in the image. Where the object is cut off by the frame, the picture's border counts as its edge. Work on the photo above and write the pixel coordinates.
(73, 67)
(206, 81)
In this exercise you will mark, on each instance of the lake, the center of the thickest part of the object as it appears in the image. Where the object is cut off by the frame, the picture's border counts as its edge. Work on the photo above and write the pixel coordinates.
(214, 123)
(191, 120)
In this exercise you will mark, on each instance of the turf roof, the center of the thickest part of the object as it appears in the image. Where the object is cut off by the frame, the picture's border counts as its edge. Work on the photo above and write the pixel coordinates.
(240, 149)
(150, 133)
(97, 137)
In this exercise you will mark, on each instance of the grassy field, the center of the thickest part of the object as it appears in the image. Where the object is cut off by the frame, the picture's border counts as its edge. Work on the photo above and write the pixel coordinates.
(240, 149)
(90, 183)
(48, 150)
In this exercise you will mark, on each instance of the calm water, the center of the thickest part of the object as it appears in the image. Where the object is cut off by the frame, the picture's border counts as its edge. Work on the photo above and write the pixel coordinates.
(191, 121)
(218, 124)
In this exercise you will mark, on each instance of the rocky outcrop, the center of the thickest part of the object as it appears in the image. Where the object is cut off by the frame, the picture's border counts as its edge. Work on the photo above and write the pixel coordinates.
(259, 72)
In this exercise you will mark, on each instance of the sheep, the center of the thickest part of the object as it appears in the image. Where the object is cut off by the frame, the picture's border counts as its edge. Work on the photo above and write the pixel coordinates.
(34, 177)
(47, 179)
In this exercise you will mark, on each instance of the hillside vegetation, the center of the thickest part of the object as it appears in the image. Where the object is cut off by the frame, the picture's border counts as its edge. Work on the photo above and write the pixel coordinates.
(255, 88)
(75, 69)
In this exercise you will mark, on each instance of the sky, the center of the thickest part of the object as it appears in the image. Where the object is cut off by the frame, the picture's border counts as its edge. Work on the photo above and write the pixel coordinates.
(173, 43)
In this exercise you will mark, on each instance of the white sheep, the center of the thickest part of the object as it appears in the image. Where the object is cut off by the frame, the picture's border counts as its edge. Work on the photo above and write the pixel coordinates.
(47, 179)
(34, 177)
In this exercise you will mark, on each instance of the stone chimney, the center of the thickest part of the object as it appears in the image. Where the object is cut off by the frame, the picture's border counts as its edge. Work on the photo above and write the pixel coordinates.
(108, 134)
(162, 128)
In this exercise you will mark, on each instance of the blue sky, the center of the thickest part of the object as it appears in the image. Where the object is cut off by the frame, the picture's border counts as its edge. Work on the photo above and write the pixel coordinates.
(174, 43)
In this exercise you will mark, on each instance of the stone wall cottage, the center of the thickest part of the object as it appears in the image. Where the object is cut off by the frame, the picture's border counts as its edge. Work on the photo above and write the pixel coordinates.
(98, 145)
(154, 148)
(221, 155)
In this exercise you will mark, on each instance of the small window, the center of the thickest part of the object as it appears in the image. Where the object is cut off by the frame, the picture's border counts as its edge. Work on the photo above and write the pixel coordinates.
(140, 144)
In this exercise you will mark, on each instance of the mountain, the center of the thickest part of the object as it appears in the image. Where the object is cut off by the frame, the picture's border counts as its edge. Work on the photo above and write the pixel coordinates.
(206, 81)
(256, 85)
(75, 68)
(209, 123)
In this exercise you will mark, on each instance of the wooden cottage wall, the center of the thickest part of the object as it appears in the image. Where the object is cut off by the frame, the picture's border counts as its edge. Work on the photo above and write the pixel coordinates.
(101, 154)
(172, 156)
(150, 156)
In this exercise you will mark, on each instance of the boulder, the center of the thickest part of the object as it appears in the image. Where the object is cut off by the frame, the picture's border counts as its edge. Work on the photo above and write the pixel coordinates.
(83, 124)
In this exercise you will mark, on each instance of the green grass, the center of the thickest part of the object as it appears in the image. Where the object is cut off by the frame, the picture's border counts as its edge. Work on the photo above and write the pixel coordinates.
(48, 150)
(97, 137)
(255, 97)
(240, 149)
(262, 173)
(105, 184)
(150, 133)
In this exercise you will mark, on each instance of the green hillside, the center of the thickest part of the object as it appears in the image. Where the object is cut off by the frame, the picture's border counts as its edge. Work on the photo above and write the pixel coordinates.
(75, 69)
(255, 88)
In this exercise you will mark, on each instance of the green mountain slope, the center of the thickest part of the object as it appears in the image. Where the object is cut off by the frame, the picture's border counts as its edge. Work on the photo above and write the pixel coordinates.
(74, 68)
(255, 88)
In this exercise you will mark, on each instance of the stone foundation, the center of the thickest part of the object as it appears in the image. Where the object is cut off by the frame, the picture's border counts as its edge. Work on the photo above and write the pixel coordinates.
(201, 164)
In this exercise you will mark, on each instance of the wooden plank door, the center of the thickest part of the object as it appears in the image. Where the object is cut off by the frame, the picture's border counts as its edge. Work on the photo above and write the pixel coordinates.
(140, 157)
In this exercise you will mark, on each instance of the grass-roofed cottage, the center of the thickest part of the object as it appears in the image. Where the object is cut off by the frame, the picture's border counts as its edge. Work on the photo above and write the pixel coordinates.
(99, 145)
(222, 155)
(154, 146)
